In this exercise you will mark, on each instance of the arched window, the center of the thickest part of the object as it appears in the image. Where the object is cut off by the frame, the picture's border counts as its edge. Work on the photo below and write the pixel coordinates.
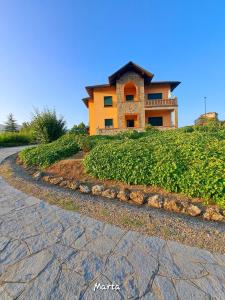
(130, 91)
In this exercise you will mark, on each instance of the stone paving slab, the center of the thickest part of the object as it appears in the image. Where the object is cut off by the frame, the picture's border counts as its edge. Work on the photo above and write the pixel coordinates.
(49, 253)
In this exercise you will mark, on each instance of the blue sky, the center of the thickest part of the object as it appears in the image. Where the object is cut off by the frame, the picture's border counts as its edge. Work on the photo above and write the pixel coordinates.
(50, 50)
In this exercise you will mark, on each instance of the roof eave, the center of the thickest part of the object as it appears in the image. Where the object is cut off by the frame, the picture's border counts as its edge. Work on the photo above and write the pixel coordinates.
(144, 73)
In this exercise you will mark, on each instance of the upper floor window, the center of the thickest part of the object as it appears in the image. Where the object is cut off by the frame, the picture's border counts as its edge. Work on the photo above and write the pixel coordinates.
(129, 97)
(107, 101)
(108, 123)
(155, 96)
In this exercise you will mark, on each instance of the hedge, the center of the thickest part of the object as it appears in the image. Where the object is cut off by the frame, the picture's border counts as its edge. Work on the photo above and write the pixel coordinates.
(46, 154)
(190, 163)
(9, 139)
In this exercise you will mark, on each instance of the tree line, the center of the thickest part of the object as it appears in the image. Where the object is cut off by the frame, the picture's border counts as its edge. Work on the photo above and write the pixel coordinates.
(45, 126)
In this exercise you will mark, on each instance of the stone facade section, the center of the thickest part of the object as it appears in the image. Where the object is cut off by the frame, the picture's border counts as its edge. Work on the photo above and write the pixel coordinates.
(134, 107)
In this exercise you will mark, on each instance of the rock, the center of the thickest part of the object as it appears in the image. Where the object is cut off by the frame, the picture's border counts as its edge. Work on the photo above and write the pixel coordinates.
(193, 210)
(46, 178)
(74, 185)
(155, 201)
(38, 175)
(84, 189)
(213, 213)
(124, 195)
(63, 183)
(97, 189)
(137, 197)
(55, 180)
(173, 205)
(109, 193)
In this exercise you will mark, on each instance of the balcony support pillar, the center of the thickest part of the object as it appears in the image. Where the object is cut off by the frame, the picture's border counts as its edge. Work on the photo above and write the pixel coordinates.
(175, 115)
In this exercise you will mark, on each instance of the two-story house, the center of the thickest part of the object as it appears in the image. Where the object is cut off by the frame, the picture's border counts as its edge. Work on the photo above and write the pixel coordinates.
(131, 100)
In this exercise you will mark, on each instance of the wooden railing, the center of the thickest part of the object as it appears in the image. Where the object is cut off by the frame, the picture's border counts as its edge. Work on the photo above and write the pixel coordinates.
(163, 102)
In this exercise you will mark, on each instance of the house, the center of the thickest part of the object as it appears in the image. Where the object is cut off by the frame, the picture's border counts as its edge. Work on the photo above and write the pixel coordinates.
(203, 119)
(131, 100)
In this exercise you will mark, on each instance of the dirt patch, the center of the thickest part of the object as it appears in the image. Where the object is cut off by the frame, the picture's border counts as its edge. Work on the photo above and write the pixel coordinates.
(69, 169)
(153, 222)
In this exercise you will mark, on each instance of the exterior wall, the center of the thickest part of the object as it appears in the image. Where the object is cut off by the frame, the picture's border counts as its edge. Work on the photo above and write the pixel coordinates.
(133, 107)
(98, 113)
(164, 89)
(165, 114)
(109, 131)
(91, 116)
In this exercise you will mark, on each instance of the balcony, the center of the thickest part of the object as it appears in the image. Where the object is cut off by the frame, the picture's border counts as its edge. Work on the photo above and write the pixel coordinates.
(161, 103)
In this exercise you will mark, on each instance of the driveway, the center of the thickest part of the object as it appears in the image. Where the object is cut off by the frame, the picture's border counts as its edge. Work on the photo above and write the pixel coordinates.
(49, 253)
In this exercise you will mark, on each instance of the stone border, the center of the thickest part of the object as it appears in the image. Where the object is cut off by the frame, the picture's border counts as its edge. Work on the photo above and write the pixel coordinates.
(210, 213)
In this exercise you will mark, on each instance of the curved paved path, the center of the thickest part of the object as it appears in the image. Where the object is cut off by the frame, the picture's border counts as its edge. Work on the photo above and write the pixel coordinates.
(50, 253)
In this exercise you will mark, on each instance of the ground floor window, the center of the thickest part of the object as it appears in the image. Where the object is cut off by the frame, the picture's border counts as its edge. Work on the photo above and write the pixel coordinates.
(109, 123)
(130, 123)
(155, 121)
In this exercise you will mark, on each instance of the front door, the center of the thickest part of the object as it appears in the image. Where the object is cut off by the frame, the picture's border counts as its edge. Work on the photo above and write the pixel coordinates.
(130, 123)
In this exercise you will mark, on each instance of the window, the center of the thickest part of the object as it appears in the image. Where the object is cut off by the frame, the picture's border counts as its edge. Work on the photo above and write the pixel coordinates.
(155, 96)
(155, 121)
(107, 101)
(108, 123)
(129, 97)
(130, 123)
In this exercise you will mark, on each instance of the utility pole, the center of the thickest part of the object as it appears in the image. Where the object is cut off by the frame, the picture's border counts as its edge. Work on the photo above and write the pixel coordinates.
(205, 104)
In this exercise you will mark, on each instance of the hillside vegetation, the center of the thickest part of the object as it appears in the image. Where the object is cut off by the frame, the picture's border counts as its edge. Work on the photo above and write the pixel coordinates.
(46, 154)
(192, 163)
(9, 139)
(190, 160)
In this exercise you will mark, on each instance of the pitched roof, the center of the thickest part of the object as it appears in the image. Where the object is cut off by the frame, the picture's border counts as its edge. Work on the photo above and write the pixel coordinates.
(90, 88)
(130, 66)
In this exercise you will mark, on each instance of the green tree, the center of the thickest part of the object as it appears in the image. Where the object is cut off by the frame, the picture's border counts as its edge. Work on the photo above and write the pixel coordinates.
(46, 126)
(10, 124)
(80, 128)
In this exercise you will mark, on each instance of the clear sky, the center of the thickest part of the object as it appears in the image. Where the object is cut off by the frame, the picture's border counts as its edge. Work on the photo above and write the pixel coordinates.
(50, 50)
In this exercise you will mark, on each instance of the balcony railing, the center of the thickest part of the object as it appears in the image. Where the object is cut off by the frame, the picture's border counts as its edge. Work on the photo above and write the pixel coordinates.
(163, 102)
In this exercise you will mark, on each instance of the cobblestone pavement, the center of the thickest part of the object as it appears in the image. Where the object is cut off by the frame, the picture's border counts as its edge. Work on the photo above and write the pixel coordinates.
(49, 253)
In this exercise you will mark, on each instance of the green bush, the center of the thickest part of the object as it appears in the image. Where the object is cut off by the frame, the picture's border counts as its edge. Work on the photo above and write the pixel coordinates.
(79, 129)
(151, 128)
(190, 163)
(9, 139)
(46, 154)
(86, 142)
(46, 127)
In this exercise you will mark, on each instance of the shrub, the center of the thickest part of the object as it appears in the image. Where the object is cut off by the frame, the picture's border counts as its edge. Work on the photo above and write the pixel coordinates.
(46, 154)
(86, 142)
(151, 128)
(191, 163)
(79, 129)
(46, 126)
(9, 139)
(187, 129)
